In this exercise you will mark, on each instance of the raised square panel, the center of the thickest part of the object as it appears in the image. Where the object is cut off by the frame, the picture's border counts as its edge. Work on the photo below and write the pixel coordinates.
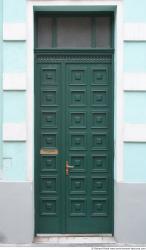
(77, 185)
(77, 207)
(99, 141)
(77, 141)
(99, 207)
(48, 140)
(77, 120)
(49, 76)
(48, 184)
(99, 185)
(77, 75)
(77, 97)
(48, 163)
(99, 119)
(99, 163)
(99, 76)
(79, 163)
(48, 206)
(99, 98)
(49, 98)
(48, 119)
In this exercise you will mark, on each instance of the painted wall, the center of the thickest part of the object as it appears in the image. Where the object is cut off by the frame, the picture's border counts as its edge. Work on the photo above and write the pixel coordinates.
(134, 11)
(16, 191)
(14, 97)
(133, 102)
(130, 191)
(134, 169)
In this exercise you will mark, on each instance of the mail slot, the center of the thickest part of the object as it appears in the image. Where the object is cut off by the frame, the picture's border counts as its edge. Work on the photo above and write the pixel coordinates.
(45, 151)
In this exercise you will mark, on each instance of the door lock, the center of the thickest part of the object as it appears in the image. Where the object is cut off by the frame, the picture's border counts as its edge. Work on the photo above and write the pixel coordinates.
(68, 167)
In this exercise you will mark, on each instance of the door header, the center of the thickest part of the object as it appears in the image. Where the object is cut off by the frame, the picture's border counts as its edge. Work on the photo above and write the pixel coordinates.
(74, 8)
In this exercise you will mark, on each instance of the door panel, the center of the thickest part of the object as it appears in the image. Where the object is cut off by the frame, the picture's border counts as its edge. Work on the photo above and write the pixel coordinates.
(74, 128)
(49, 166)
(88, 133)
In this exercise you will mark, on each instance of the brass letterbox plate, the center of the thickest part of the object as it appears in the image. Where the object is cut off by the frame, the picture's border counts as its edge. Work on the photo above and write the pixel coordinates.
(45, 151)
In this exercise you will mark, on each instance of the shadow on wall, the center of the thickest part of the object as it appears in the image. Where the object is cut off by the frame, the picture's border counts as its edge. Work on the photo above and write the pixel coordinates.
(3, 239)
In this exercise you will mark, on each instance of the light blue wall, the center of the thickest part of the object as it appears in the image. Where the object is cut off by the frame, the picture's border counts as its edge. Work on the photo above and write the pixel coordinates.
(14, 106)
(135, 162)
(135, 57)
(14, 57)
(134, 11)
(135, 102)
(14, 162)
(135, 107)
(14, 10)
(14, 102)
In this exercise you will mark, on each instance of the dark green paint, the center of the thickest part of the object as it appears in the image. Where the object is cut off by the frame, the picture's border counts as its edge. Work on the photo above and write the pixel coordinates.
(81, 118)
(76, 9)
(86, 190)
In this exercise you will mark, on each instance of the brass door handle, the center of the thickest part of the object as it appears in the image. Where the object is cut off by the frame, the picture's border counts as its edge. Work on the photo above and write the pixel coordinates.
(68, 167)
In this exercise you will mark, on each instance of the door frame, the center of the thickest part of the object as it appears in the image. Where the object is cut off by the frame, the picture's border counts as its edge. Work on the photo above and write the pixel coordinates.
(110, 5)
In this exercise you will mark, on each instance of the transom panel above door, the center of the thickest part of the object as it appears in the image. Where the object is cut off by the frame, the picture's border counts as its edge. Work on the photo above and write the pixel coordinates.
(74, 141)
(70, 30)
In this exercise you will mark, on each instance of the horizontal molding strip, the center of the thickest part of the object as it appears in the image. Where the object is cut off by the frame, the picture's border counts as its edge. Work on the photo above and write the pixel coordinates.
(14, 81)
(135, 31)
(14, 132)
(14, 31)
(135, 133)
(135, 81)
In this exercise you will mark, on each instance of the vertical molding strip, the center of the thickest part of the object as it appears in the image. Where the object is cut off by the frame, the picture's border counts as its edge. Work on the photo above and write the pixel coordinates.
(1, 96)
(119, 93)
(30, 90)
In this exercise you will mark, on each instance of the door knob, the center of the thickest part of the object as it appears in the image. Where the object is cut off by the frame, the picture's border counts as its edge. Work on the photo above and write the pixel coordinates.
(68, 167)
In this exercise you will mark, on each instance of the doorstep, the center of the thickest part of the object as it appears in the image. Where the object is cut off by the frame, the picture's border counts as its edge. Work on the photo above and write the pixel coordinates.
(74, 239)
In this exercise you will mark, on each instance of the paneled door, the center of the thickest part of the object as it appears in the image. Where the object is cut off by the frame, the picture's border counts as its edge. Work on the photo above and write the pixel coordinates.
(74, 142)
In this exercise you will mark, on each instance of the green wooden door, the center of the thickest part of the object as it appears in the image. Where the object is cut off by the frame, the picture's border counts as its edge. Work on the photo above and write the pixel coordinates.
(74, 142)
